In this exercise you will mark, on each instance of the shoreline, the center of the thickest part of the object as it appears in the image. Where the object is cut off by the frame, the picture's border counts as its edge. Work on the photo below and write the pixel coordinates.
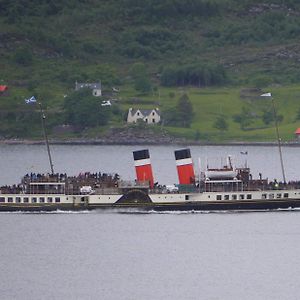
(143, 142)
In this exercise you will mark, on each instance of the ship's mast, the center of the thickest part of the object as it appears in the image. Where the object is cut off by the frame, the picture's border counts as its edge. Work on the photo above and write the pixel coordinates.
(278, 139)
(277, 134)
(43, 117)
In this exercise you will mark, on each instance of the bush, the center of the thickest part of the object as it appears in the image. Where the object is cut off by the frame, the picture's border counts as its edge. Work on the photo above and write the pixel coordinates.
(245, 119)
(221, 124)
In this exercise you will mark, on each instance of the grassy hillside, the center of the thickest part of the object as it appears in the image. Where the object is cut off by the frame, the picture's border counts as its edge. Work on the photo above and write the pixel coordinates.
(46, 46)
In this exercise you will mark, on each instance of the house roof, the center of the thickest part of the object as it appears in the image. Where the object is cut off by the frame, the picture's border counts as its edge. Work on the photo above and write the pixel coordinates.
(145, 112)
(3, 88)
(93, 85)
(297, 131)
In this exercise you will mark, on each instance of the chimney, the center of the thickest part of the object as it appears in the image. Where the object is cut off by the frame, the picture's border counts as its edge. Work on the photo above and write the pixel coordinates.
(185, 168)
(143, 166)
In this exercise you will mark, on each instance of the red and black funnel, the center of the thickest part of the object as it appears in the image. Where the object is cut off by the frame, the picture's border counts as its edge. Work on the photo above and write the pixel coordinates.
(143, 166)
(185, 168)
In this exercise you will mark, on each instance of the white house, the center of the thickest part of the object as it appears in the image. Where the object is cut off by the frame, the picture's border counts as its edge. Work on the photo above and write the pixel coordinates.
(149, 116)
(95, 87)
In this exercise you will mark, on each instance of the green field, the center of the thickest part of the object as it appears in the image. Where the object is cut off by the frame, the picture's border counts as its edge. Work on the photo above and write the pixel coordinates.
(209, 103)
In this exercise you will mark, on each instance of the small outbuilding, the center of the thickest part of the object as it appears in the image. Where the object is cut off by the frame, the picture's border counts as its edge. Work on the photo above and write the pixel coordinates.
(95, 87)
(297, 134)
(3, 90)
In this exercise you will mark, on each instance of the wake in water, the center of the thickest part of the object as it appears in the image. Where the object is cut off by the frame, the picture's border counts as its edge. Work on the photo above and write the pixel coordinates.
(150, 212)
(55, 212)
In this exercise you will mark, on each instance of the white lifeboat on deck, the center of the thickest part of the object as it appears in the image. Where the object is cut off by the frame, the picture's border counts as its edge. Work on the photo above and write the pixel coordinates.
(226, 172)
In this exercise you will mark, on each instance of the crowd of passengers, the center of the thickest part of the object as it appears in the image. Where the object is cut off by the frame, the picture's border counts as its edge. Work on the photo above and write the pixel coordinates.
(62, 177)
(95, 179)
(85, 178)
(12, 189)
(284, 185)
(38, 177)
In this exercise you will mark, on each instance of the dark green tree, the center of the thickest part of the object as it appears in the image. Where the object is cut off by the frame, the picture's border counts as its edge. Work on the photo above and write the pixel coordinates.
(245, 118)
(221, 124)
(268, 117)
(298, 114)
(185, 111)
(181, 115)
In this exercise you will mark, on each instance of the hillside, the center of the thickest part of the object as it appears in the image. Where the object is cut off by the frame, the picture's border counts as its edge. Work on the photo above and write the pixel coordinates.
(210, 50)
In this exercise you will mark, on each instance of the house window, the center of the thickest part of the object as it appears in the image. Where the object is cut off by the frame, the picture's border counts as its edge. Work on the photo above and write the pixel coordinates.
(234, 197)
(278, 196)
(219, 197)
(286, 195)
(42, 199)
(18, 199)
(10, 199)
(153, 114)
(57, 199)
(271, 196)
(146, 120)
(242, 197)
(34, 200)
(25, 199)
(49, 200)
(137, 113)
(264, 196)
(2, 199)
(249, 196)
(186, 197)
(153, 120)
(226, 197)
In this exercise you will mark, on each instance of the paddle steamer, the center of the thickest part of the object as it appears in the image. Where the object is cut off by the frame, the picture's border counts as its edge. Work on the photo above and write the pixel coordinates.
(227, 188)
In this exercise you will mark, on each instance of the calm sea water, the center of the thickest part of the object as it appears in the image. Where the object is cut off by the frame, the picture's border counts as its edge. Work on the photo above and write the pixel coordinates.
(95, 255)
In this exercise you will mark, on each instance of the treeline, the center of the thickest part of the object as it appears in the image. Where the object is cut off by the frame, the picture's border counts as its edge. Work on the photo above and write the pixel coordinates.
(129, 10)
(270, 25)
(15, 10)
(153, 10)
(196, 75)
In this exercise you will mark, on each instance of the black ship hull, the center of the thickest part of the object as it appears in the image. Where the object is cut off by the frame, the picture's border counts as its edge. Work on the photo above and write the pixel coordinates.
(251, 205)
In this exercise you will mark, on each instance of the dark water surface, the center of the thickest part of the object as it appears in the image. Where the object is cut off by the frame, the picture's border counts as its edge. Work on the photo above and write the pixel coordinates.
(147, 256)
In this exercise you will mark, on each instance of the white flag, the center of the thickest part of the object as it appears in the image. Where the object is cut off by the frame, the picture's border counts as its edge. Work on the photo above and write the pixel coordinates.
(30, 100)
(266, 95)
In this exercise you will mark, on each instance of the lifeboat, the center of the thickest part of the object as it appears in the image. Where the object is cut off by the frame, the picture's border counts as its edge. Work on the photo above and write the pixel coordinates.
(226, 172)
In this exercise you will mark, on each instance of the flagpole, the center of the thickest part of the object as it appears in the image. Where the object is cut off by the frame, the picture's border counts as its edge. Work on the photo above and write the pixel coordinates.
(277, 133)
(43, 117)
(278, 139)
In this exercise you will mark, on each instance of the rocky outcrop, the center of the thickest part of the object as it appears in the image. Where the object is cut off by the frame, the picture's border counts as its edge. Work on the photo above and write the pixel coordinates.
(137, 135)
